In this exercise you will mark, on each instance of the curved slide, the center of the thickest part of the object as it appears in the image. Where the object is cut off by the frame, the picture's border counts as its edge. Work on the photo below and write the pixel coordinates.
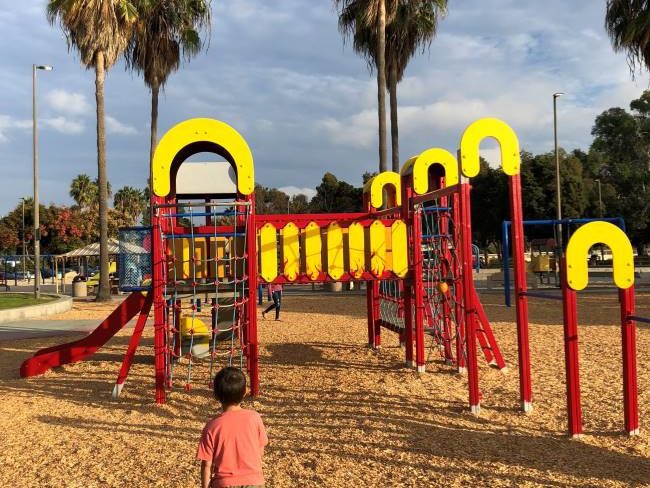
(81, 349)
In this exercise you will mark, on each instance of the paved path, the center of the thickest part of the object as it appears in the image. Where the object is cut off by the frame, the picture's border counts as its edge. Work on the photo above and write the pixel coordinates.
(28, 329)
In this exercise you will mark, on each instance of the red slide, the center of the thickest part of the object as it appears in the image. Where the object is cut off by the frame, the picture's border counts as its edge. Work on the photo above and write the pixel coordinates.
(72, 352)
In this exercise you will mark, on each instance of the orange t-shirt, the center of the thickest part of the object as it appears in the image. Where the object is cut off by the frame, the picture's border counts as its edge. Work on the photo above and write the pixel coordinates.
(234, 441)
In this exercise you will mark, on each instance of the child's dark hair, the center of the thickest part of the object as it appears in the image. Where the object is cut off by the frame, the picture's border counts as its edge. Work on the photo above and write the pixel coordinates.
(230, 386)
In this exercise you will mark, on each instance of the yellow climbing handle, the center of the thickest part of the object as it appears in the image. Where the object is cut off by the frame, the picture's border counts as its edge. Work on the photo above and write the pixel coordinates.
(419, 167)
(584, 238)
(471, 141)
(375, 186)
(268, 252)
(216, 135)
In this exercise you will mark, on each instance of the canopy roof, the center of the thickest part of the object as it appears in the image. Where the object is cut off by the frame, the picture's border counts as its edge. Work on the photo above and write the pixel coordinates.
(92, 250)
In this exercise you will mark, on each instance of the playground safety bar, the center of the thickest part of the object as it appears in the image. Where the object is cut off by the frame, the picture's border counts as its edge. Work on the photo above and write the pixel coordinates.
(505, 239)
(202, 204)
(204, 214)
(636, 318)
(217, 234)
(535, 294)
(433, 195)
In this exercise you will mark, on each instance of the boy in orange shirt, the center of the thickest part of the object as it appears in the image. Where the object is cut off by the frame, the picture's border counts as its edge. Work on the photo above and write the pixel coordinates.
(232, 444)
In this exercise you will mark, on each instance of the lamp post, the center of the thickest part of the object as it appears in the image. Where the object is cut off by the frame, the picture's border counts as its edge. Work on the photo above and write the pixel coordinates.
(600, 199)
(37, 234)
(22, 238)
(558, 194)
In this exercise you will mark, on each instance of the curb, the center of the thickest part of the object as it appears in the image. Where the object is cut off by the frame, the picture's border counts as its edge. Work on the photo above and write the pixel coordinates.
(61, 304)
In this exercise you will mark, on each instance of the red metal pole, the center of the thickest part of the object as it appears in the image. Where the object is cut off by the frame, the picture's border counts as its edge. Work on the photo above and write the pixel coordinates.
(418, 290)
(468, 297)
(630, 386)
(251, 271)
(158, 258)
(521, 302)
(407, 217)
(457, 270)
(570, 315)
(133, 345)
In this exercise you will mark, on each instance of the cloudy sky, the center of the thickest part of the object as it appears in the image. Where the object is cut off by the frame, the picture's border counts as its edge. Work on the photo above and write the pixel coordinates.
(281, 75)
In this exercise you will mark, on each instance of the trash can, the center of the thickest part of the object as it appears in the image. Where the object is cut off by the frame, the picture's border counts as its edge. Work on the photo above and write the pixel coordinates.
(79, 286)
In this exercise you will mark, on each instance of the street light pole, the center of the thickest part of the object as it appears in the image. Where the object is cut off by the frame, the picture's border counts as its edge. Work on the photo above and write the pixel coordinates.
(600, 199)
(22, 237)
(558, 194)
(37, 233)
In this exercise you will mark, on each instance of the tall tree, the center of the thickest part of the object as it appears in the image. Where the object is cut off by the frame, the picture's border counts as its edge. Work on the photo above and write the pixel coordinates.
(413, 27)
(99, 30)
(166, 32)
(129, 203)
(375, 15)
(83, 191)
(628, 26)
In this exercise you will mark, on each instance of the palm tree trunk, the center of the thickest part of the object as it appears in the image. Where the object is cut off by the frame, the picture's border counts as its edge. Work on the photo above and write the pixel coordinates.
(381, 83)
(104, 292)
(394, 133)
(155, 89)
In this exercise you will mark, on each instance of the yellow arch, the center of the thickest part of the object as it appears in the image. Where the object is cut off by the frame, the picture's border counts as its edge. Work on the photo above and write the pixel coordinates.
(375, 186)
(207, 135)
(419, 166)
(599, 233)
(479, 130)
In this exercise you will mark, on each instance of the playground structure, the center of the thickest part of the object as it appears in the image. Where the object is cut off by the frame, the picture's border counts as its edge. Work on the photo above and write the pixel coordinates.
(207, 250)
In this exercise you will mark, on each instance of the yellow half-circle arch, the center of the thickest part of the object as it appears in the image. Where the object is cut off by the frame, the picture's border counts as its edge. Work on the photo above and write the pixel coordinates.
(419, 167)
(479, 130)
(375, 186)
(584, 238)
(199, 135)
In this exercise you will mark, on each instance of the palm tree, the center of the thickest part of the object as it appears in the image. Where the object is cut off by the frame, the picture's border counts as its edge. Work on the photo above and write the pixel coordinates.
(371, 14)
(628, 26)
(83, 191)
(414, 26)
(130, 203)
(166, 31)
(99, 30)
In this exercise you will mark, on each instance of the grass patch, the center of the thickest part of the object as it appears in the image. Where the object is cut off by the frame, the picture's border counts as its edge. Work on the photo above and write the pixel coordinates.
(15, 300)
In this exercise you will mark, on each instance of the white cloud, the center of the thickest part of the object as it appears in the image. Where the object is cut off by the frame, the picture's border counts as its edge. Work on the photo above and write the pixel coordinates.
(292, 191)
(8, 123)
(71, 103)
(114, 126)
(64, 125)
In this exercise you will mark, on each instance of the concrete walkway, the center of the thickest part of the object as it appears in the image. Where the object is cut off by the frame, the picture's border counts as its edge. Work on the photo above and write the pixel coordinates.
(29, 329)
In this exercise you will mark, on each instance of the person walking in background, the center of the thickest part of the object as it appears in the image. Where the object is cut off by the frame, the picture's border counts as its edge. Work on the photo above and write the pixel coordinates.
(276, 294)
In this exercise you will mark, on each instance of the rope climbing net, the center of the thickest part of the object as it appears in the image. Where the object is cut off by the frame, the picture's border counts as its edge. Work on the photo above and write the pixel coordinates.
(205, 288)
(442, 279)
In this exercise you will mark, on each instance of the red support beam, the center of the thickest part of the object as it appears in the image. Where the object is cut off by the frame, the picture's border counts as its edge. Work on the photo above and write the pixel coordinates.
(571, 363)
(251, 346)
(521, 300)
(158, 226)
(468, 297)
(628, 340)
(133, 345)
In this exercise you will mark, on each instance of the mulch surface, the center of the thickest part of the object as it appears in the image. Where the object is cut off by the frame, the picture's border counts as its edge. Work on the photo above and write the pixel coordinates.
(337, 413)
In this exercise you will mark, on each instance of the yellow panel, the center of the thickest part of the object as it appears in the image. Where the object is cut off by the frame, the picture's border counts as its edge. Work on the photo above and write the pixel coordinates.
(313, 249)
(335, 261)
(291, 251)
(479, 130)
(399, 248)
(268, 252)
(420, 164)
(202, 130)
(599, 233)
(377, 248)
(375, 186)
(217, 251)
(195, 324)
(356, 249)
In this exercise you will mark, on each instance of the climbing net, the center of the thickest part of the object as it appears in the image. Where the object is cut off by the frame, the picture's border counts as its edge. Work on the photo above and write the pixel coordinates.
(205, 288)
(442, 280)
